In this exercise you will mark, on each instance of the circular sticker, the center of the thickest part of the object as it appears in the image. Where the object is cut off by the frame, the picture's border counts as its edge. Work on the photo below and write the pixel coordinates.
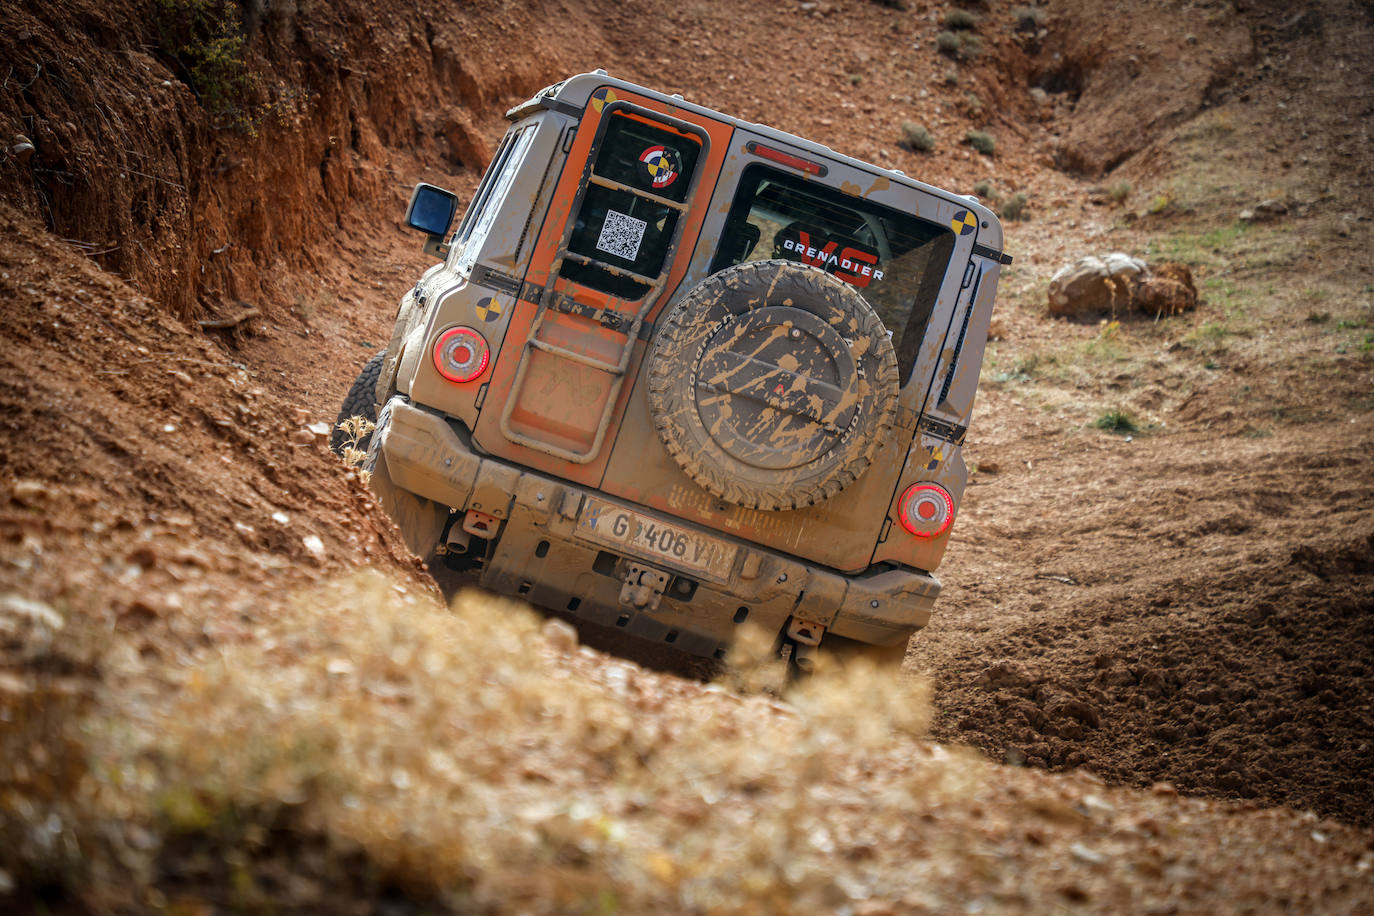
(660, 165)
(488, 309)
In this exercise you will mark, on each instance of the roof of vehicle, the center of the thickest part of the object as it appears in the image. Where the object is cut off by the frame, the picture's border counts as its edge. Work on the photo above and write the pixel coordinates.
(572, 95)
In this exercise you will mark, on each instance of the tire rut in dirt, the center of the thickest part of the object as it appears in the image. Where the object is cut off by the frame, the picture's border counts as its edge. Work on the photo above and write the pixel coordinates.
(1235, 691)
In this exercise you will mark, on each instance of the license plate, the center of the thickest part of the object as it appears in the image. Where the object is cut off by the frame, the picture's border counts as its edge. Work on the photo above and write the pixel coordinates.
(654, 540)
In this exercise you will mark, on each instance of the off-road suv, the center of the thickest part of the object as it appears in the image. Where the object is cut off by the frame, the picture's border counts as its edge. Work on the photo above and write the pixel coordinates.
(678, 371)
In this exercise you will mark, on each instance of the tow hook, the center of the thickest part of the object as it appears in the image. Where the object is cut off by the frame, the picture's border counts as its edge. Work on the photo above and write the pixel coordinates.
(479, 524)
(805, 636)
(642, 587)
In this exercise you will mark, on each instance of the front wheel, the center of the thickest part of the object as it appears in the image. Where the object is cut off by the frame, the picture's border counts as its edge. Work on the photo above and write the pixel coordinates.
(361, 402)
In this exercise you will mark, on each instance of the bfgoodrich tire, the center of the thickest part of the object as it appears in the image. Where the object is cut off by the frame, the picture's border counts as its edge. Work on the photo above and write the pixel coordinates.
(360, 402)
(772, 384)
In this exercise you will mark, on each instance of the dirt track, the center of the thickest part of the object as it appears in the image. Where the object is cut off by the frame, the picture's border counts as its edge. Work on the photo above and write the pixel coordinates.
(1190, 607)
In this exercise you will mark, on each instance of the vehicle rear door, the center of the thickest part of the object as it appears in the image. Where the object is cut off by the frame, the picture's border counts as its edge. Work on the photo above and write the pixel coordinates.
(613, 248)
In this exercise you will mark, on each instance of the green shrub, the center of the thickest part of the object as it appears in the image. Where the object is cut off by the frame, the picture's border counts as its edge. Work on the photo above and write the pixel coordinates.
(1116, 421)
(1161, 203)
(957, 20)
(1015, 206)
(915, 137)
(948, 43)
(983, 188)
(206, 42)
(983, 142)
(1028, 18)
(951, 77)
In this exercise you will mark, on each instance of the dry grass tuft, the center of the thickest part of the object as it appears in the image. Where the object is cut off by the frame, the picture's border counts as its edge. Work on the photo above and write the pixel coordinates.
(47, 668)
(471, 756)
(355, 433)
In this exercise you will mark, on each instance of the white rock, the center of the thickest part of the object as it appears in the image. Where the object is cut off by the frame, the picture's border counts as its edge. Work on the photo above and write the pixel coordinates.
(1084, 854)
(1095, 284)
(16, 607)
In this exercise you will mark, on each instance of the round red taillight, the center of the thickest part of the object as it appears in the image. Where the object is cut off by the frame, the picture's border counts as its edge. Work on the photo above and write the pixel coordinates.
(925, 510)
(461, 354)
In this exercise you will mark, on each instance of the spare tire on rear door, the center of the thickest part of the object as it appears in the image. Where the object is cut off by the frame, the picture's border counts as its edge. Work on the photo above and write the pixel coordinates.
(772, 384)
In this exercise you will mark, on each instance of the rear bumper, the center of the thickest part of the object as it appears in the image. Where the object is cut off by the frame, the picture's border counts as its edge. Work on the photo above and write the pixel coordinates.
(540, 555)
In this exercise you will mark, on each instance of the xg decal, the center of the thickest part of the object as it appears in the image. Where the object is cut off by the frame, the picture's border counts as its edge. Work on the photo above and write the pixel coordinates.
(660, 166)
(852, 265)
(964, 222)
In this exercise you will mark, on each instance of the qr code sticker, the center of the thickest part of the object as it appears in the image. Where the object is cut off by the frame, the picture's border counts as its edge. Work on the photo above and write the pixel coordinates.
(621, 235)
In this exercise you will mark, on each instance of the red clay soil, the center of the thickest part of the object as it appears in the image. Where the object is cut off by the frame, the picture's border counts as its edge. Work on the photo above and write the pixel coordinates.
(1193, 605)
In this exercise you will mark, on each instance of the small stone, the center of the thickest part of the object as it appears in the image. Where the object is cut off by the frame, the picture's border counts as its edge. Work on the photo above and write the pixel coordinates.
(281, 518)
(1084, 854)
(1095, 804)
(320, 429)
(314, 545)
(145, 608)
(1165, 789)
(15, 607)
(26, 491)
(1269, 209)
(21, 148)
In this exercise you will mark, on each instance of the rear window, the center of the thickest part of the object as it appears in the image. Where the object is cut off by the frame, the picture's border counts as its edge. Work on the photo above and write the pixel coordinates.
(620, 226)
(895, 259)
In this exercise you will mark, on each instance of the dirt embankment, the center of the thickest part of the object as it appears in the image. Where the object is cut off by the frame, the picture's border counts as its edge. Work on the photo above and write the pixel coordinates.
(1191, 606)
(210, 157)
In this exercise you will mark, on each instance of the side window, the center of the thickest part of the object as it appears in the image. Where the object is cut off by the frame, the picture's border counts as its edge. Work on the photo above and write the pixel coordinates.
(621, 226)
(484, 188)
(491, 195)
(895, 259)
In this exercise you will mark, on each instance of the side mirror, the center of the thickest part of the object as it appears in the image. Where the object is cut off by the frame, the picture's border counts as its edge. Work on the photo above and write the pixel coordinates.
(431, 211)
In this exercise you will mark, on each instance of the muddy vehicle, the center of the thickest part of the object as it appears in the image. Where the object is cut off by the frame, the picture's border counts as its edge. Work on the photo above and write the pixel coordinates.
(678, 372)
